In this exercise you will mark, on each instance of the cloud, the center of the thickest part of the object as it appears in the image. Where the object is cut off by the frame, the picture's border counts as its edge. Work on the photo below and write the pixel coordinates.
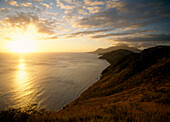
(26, 4)
(21, 20)
(43, 28)
(110, 35)
(2, 9)
(127, 15)
(31, 0)
(45, 5)
(52, 38)
(95, 9)
(13, 3)
(5, 10)
(72, 15)
(38, 0)
(82, 33)
(129, 21)
(83, 12)
(147, 38)
(143, 45)
(63, 6)
(52, 14)
(115, 4)
(122, 33)
(144, 41)
(93, 2)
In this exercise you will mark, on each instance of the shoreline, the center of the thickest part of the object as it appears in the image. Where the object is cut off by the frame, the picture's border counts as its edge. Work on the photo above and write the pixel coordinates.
(98, 79)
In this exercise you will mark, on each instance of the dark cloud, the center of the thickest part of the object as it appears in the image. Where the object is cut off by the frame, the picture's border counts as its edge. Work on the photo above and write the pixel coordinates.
(43, 28)
(143, 45)
(133, 14)
(82, 33)
(109, 35)
(136, 20)
(52, 38)
(21, 19)
(147, 37)
(122, 33)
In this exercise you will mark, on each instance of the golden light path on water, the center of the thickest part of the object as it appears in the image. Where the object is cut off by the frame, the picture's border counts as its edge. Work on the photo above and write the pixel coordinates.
(23, 87)
(50, 80)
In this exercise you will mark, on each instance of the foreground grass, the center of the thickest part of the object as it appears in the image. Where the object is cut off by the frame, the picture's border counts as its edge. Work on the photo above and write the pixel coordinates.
(145, 112)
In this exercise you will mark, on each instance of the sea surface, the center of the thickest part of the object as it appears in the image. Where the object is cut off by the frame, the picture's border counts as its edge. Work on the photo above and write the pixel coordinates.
(50, 80)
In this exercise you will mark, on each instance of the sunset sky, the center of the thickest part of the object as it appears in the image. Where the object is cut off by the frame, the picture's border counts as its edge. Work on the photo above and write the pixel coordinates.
(82, 25)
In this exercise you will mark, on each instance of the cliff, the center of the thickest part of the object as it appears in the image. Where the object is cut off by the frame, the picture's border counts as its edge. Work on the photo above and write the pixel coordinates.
(136, 88)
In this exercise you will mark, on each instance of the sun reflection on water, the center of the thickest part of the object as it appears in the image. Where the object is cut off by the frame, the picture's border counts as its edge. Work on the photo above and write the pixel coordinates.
(23, 88)
(22, 74)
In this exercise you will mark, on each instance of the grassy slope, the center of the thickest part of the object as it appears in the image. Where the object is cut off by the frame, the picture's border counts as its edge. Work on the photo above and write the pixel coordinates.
(115, 56)
(136, 88)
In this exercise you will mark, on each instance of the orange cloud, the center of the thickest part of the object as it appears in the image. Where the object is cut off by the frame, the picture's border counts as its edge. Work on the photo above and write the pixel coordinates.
(13, 3)
(45, 5)
(63, 6)
(93, 3)
(26, 4)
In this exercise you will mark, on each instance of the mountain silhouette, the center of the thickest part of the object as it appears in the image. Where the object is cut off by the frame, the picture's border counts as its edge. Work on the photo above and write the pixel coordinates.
(113, 48)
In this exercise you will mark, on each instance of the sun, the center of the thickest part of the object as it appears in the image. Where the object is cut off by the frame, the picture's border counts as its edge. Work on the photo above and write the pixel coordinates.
(23, 40)
(22, 45)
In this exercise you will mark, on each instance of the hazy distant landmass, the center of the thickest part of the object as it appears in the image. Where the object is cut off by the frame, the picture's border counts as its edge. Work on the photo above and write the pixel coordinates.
(113, 48)
(133, 88)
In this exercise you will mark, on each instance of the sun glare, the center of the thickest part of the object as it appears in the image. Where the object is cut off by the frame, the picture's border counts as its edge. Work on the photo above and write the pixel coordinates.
(23, 40)
(22, 46)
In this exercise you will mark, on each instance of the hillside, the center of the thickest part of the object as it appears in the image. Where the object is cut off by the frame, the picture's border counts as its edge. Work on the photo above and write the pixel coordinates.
(134, 88)
(102, 51)
(115, 56)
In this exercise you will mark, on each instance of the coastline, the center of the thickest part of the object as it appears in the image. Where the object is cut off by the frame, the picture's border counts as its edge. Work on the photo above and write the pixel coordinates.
(125, 87)
(91, 84)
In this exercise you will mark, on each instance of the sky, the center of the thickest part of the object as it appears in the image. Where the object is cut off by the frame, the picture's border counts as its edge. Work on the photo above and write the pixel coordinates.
(82, 25)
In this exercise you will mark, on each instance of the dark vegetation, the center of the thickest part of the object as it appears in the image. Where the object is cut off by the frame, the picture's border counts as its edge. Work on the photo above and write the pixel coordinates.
(115, 56)
(136, 87)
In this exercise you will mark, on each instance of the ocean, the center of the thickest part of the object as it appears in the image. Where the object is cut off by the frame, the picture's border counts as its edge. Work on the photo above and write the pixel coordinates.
(50, 80)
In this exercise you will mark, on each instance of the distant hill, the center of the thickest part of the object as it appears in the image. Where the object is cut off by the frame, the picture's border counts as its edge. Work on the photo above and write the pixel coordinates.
(135, 87)
(113, 48)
